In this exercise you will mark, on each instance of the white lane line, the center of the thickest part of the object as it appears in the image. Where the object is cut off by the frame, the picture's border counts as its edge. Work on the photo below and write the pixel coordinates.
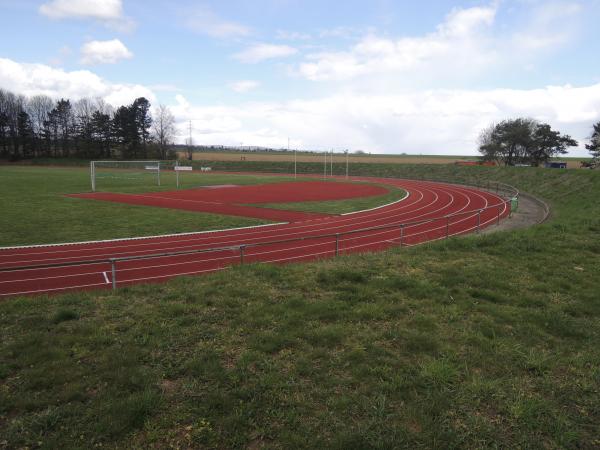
(406, 194)
(106, 278)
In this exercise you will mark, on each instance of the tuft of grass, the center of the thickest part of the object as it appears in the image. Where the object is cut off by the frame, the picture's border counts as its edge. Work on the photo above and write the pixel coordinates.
(63, 315)
(131, 412)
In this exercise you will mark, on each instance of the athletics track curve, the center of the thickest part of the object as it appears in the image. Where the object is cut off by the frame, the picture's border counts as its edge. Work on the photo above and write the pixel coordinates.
(430, 211)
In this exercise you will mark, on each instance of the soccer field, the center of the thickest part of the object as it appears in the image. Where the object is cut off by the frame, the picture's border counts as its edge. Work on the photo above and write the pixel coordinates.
(37, 210)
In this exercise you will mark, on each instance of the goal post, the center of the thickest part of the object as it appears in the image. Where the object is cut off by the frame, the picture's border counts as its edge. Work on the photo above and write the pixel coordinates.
(125, 172)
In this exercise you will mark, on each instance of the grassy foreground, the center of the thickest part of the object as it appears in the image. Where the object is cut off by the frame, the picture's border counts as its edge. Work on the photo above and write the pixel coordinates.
(488, 341)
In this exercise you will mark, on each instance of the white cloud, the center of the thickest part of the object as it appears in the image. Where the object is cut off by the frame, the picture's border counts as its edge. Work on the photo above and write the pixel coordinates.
(96, 9)
(429, 122)
(104, 52)
(205, 21)
(550, 27)
(33, 79)
(465, 22)
(466, 44)
(454, 38)
(109, 12)
(244, 85)
(262, 52)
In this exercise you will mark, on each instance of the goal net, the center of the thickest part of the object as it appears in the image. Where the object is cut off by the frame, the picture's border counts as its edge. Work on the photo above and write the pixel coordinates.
(124, 173)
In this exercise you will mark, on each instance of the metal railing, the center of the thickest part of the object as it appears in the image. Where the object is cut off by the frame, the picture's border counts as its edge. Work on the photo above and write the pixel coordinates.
(499, 188)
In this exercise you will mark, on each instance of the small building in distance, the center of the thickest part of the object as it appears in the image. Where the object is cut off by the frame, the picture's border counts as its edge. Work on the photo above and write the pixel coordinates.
(555, 165)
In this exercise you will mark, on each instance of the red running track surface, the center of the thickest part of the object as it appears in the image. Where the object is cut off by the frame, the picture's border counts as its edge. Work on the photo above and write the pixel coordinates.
(232, 200)
(425, 201)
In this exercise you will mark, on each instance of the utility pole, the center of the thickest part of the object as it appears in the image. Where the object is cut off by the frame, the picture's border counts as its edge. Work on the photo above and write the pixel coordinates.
(191, 150)
(346, 164)
(295, 168)
(331, 162)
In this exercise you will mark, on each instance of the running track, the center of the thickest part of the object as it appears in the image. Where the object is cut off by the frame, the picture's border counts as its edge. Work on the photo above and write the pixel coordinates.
(439, 210)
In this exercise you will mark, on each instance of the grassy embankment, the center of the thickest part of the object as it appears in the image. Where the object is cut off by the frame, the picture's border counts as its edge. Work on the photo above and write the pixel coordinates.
(483, 341)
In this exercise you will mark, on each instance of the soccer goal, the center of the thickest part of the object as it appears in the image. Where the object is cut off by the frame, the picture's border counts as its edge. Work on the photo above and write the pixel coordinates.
(124, 173)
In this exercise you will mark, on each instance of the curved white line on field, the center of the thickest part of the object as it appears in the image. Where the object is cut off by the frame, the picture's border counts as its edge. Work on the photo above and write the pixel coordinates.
(406, 195)
(107, 241)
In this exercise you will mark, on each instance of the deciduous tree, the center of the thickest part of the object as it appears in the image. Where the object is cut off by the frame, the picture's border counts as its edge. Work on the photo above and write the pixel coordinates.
(522, 141)
(163, 128)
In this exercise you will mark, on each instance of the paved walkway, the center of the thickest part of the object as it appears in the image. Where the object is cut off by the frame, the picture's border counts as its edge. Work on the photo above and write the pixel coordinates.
(531, 211)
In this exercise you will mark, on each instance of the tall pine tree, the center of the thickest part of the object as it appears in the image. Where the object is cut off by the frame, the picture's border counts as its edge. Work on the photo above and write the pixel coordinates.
(26, 135)
(594, 145)
(101, 134)
(143, 121)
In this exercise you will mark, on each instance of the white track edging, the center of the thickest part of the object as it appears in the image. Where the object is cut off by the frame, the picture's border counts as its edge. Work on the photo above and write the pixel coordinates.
(138, 238)
(406, 195)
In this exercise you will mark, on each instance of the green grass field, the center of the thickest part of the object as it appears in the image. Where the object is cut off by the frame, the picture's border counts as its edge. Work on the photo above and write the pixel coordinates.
(36, 211)
(488, 341)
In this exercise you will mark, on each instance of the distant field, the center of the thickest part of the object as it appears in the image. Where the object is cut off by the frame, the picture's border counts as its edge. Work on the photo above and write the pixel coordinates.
(572, 163)
(337, 158)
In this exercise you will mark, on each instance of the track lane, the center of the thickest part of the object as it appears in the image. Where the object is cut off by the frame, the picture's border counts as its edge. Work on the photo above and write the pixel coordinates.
(425, 201)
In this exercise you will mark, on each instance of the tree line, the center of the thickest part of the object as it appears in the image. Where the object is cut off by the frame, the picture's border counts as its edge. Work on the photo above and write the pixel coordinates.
(38, 126)
(529, 142)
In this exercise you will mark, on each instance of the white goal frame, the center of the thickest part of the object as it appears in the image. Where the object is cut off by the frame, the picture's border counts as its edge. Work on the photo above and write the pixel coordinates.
(145, 165)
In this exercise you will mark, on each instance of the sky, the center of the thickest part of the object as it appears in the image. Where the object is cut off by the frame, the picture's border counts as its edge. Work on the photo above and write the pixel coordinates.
(381, 76)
